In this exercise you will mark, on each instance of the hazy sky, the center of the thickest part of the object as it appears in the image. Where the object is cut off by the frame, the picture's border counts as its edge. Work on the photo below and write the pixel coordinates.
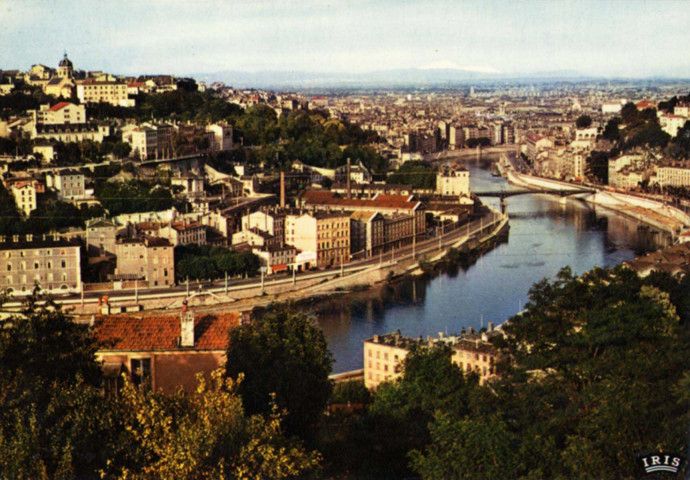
(602, 37)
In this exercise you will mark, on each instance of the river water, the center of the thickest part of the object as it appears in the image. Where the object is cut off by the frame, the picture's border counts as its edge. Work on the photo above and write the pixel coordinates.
(544, 237)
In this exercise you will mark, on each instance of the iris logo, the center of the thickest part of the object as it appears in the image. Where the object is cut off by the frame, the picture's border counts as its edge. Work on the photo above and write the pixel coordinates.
(661, 462)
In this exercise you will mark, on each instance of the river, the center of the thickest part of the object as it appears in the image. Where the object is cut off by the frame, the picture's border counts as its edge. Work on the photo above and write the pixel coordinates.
(544, 237)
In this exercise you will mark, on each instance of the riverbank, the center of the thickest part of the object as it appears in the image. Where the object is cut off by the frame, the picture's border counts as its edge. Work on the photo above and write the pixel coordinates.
(395, 264)
(647, 211)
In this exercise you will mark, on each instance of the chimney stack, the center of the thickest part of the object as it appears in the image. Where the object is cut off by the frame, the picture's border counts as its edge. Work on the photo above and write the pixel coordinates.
(282, 190)
(187, 328)
(349, 192)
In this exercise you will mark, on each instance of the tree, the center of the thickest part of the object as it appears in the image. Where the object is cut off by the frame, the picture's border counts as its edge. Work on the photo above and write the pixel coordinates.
(598, 166)
(53, 421)
(629, 113)
(203, 435)
(283, 354)
(583, 121)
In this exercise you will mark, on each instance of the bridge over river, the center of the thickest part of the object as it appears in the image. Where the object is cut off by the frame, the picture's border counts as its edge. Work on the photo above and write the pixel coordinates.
(504, 194)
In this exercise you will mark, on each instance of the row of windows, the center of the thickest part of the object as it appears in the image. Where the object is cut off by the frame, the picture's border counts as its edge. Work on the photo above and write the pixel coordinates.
(37, 278)
(37, 265)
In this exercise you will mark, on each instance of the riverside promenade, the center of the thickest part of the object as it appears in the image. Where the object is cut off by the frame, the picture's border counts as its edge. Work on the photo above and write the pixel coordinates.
(645, 210)
(251, 293)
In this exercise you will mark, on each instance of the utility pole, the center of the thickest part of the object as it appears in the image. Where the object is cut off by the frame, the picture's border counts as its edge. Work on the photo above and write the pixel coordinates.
(187, 285)
(226, 282)
(294, 274)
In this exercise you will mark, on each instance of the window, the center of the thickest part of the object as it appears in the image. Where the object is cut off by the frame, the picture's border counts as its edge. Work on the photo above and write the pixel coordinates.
(141, 372)
(9, 267)
(63, 264)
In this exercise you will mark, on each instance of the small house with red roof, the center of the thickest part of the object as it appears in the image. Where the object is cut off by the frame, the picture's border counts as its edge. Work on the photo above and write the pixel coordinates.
(163, 352)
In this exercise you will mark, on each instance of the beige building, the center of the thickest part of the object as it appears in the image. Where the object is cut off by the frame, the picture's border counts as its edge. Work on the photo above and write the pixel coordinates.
(60, 114)
(49, 261)
(388, 205)
(68, 132)
(453, 181)
(326, 234)
(672, 123)
(384, 354)
(106, 91)
(149, 259)
(101, 236)
(24, 194)
(268, 221)
(673, 176)
(70, 184)
(222, 137)
(276, 258)
(367, 233)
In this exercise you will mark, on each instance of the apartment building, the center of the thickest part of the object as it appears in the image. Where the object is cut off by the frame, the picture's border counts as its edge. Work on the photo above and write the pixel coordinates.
(101, 236)
(387, 205)
(149, 259)
(70, 184)
(60, 114)
(276, 258)
(367, 234)
(673, 176)
(49, 261)
(326, 234)
(106, 91)
(222, 137)
(271, 222)
(472, 352)
(24, 194)
(453, 180)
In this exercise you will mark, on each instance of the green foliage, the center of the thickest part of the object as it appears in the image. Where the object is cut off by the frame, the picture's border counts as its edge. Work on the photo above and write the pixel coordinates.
(419, 174)
(203, 435)
(597, 366)
(583, 121)
(482, 449)
(205, 262)
(598, 166)
(135, 196)
(18, 102)
(284, 359)
(350, 392)
(53, 423)
(481, 141)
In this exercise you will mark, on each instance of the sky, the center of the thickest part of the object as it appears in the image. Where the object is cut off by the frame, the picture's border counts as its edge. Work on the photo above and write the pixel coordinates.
(603, 37)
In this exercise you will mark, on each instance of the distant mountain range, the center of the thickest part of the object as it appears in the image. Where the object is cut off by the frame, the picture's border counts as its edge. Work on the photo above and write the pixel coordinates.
(410, 77)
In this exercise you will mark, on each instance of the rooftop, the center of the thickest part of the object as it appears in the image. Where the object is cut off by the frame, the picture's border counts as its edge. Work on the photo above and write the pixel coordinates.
(161, 332)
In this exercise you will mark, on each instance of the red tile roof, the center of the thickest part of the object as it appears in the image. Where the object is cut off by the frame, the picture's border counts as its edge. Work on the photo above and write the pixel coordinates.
(59, 106)
(161, 332)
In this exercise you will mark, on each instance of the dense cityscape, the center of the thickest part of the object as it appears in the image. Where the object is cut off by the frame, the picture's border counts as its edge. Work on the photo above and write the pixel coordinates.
(207, 280)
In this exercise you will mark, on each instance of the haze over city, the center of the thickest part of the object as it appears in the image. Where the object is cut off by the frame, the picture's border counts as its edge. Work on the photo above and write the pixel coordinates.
(608, 39)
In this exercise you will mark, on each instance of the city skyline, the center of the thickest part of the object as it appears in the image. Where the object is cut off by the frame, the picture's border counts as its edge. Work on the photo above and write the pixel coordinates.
(606, 39)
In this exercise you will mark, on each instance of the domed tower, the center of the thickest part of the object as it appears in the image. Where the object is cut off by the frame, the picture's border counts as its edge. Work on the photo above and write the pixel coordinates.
(65, 68)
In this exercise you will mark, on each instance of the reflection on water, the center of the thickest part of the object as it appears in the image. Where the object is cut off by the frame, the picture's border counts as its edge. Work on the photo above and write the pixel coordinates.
(544, 236)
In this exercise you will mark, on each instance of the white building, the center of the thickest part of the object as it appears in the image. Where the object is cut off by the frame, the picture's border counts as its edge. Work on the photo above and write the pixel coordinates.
(672, 123)
(60, 114)
(222, 137)
(453, 181)
(673, 176)
(112, 92)
(24, 194)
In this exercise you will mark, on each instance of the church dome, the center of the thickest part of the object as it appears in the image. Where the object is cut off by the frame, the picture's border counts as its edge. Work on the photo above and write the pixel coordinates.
(65, 62)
